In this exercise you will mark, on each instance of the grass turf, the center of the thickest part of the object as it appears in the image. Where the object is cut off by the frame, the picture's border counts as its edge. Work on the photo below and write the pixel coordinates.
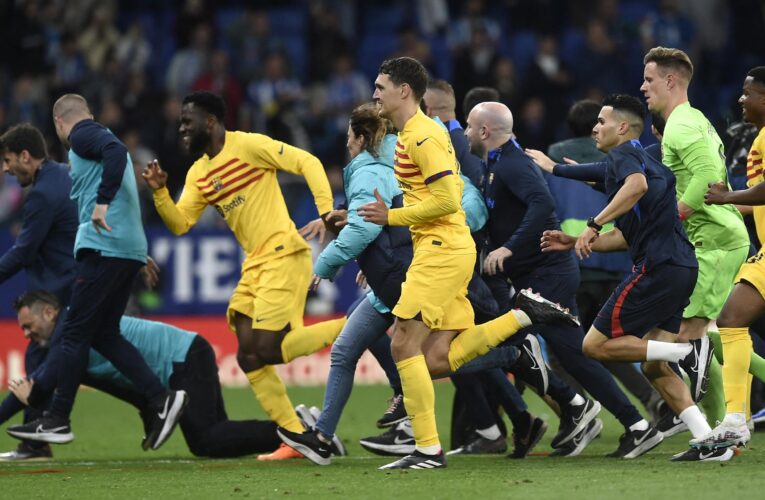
(106, 461)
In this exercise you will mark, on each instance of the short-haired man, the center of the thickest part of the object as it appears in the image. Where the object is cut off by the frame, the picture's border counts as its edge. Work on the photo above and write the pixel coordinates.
(433, 307)
(235, 172)
(641, 320)
(747, 300)
(694, 153)
(181, 359)
(110, 248)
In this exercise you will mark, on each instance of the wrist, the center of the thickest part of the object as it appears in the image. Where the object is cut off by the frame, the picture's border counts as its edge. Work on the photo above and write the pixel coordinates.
(594, 225)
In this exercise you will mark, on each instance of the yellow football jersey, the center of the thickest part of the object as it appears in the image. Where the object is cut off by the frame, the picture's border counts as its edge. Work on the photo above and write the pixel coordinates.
(240, 182)
(424, 154)
(754, 176)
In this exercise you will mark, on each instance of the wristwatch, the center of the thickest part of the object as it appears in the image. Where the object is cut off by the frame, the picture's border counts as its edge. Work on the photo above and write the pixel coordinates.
(591, 223)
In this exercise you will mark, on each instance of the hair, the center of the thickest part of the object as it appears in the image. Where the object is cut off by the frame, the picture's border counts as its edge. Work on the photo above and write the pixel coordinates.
(447, 89)
(366, 122)
(627, 104)
(658, 122)
(407, 70)
(582, 117)
(31, 299)
(69, 103)
(478, 95)
(667, 58)
(208, 102)
(757, 74)
(24, 137)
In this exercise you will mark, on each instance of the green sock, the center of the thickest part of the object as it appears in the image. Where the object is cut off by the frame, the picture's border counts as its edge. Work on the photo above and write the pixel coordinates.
(756, 363)
(714, 399)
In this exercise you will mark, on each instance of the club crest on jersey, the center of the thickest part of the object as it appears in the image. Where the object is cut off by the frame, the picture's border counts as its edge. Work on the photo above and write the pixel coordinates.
(217, 184)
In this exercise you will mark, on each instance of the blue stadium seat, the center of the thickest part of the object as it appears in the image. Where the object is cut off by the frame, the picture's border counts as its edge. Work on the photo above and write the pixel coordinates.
(382, 20)
(442, 57)
(288, 21)
(297, 52)
(373, 50)
(571, 44)
(523, 48)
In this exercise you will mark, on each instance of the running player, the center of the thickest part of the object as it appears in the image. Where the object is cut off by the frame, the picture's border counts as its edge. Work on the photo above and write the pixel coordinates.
(694, 153)
(433, 306)
(236, 173)
(747, 300)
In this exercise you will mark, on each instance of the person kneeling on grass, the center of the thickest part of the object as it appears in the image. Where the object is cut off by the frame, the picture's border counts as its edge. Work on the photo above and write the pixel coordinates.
(182, 360)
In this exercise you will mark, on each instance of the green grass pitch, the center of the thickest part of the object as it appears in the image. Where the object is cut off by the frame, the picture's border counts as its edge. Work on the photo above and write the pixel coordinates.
(106, 461)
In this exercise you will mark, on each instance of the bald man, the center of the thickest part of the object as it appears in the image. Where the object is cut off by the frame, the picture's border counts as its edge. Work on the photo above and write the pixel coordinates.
(110, 248)
(440, 102)
(520, 209)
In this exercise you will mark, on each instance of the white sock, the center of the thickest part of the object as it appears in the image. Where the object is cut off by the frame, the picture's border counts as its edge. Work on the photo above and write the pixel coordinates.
(577, 400)
(491, 433)
(640, 425)
(666, 351)
(735, 418)
(522, 318)
(695, 421)
(429, 450)
(324, 439)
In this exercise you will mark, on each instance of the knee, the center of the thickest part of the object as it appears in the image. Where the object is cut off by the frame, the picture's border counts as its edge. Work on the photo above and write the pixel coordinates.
(653, 369)
(267, 347)
(725, 320)
(247, 360)
(340, 356)
(437, 359)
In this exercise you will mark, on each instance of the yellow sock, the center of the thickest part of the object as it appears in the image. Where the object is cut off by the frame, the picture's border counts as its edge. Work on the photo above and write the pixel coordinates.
(737, 351)
(307, 340)
(270, 392)
(420, 401)
(749, 397)
(477, 341)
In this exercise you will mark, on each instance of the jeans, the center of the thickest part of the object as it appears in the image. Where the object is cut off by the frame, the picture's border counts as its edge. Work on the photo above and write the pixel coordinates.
(364, 327)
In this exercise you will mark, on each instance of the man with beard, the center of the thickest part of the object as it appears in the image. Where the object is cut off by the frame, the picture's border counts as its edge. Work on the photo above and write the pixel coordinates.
(235, 172)
(110, 248)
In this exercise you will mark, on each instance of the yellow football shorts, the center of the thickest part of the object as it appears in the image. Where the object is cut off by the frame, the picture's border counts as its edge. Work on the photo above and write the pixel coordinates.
(436, 288)
(753, 272)
(273, 293)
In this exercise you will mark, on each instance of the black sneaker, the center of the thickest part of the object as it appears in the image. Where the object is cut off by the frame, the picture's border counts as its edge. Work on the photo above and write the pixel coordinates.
(395, 413)
(482, 446)
(146, 420)
(540, 310)
(418, 460)
(337, 447)
(164, 418)
(580, 441)
(397, 440)
(522, 445)
(669, 424)
(574, 420)
(307, 443)
(48, 428)
(632, 444)
(696, 366)
(28, 453)
(530, 366)
(704, 455)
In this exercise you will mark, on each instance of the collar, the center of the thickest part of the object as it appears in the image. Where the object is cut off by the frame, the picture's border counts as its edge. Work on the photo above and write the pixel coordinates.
(78, 124)
(453, 125)
(496, 154)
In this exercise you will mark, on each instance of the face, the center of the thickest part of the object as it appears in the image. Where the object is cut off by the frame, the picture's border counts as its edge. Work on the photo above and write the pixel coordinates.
(355, 143)
(752, 101)
(655, 88)
(387, 95)
(38, 322)
(475, 133)
(19, 166)
(605, 131)
(194, 130)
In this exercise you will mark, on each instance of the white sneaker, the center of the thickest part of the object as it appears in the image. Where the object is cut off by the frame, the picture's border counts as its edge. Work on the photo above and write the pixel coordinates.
(728, 433)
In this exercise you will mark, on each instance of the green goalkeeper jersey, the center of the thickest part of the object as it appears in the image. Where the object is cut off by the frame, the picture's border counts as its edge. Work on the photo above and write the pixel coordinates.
(694, 152)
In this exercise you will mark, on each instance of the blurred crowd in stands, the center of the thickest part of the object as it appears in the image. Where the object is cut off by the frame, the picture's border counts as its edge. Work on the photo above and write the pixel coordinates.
(295, 69)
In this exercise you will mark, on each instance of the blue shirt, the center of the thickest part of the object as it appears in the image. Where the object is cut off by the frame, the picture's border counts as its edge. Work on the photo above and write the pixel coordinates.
(652, 228)
(102, 173)
(44, 246)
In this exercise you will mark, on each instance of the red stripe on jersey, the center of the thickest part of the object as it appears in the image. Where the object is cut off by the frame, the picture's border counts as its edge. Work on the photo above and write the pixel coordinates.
(406, 174)
(399, 145)
(757, 162)
(224, 176)
(238, 188)
(218, 169)
(753, 175)
(218, 194)
(616, 323)
(437, 176)
(397, 163)
(402, 155)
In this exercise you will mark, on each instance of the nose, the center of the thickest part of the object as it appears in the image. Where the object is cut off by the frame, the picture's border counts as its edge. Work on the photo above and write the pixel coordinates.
(741, 99)
(27, 333)
(643, 87)
(376, 94)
